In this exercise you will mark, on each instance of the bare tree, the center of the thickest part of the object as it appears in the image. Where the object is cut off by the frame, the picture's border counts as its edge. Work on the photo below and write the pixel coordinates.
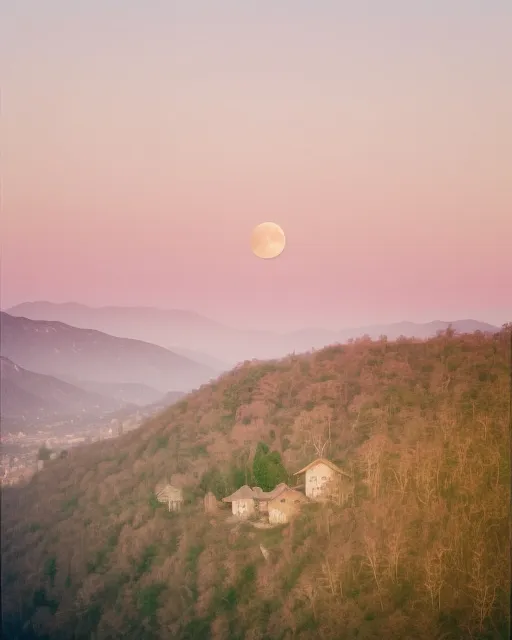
(462, 448)
(485, 421)
(482, 586)
(447, 424)
(316, 429)
(327, 578)
(396, 547)
(402, 473)
(371, 453)
(435, 574)
(427, 466)
(372, 561)
(309, 591)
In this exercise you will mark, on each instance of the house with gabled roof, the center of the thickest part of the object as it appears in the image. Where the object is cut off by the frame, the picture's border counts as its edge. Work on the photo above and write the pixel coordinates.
(169, 495)
(326, 481)
(263, 498)
(285, 504)
(242, 502)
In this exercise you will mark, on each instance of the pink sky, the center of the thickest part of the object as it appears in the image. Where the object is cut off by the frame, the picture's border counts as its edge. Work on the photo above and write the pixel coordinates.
(140, 147)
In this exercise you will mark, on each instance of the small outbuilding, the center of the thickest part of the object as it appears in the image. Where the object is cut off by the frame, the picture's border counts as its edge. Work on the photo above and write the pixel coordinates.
(170, 495)
(285, 504)
(242, 502)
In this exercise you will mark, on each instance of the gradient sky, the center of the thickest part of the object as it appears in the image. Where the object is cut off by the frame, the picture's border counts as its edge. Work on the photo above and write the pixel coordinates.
(142, 142)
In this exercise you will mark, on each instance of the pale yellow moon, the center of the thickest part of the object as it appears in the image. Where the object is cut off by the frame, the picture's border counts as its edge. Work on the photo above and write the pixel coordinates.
(267, 240)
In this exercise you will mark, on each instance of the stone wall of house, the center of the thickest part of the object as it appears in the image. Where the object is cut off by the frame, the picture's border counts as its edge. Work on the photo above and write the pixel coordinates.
(320, 479)
(285, 506)
(276, 516)
(263, 506)
(243, 508)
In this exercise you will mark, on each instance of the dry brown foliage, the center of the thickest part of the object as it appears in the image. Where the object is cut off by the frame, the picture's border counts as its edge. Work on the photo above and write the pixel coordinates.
(422, 551)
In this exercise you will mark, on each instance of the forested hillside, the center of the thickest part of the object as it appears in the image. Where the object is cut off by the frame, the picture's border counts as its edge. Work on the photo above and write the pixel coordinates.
(422, 551)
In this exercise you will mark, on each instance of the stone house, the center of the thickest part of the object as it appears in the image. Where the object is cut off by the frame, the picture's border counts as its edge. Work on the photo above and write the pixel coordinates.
(285, 504)
(263, 498)
(172, 496)
(325, 481)
(282, 501)
(242, 502)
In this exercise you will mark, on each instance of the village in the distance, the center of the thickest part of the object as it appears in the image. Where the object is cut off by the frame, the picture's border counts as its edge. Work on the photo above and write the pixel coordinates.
(24, 451)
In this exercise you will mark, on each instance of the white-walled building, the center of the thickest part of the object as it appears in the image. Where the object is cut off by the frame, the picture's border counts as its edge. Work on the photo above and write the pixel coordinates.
(242, 502)
(324, 480)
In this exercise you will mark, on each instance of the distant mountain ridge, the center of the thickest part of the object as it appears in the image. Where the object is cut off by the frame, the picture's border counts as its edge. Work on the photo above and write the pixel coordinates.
(191, 333)
(131, 392)
(29, 396)
(61, 350)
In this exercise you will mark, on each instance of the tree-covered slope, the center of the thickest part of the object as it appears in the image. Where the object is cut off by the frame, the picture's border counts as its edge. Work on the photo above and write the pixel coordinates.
(422, 551)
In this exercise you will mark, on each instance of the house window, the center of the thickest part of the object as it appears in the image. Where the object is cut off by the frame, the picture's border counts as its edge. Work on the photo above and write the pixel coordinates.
(283, 499)
(324, 478)
(296, 501)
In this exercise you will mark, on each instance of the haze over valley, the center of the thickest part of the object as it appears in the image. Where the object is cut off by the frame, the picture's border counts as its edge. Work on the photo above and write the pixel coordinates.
(74, 384)
(70, 386)
(213, 343)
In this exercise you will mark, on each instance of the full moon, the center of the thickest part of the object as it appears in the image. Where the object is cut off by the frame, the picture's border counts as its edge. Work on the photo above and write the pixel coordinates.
(267, 240)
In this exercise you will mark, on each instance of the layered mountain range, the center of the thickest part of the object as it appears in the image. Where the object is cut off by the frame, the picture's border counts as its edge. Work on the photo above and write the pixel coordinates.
(58, 361)
(51, 371)
(30, 396)
(214, 344)
(61, 350)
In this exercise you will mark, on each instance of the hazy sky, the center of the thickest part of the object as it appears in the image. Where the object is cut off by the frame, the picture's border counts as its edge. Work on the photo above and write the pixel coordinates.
(142, 141)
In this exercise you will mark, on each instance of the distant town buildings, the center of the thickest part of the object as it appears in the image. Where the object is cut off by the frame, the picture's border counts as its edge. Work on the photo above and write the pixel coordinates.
(13, 466)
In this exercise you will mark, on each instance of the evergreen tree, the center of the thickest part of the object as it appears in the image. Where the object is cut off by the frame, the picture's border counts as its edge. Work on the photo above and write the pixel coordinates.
(267, 469)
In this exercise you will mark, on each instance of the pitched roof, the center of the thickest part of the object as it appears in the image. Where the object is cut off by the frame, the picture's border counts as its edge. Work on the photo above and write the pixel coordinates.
(168, 492)
(290, 490)
(244, 493)
(256, 493)
(281, 488)
(328, 463)
(264, 496)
